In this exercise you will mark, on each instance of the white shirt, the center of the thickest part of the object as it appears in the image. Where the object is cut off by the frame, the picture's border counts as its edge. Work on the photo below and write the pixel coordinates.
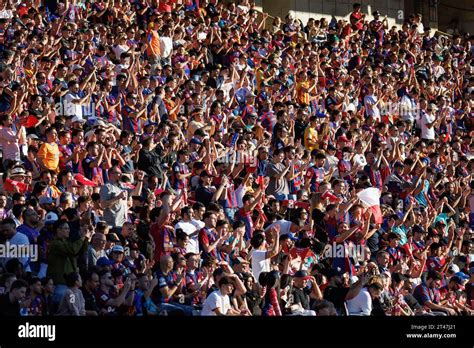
(239, 194)
(408, 108)
(166, 46)
(332, 162)
(71, 109)
(259, 263)
(119, 49)
(189, 228)
(213, 301)
(361, 304)
(372, 109)
(360, 160)
(427, 133)
(6, 14)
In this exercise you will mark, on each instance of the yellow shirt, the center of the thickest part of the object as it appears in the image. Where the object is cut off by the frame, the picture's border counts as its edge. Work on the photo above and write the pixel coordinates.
(49, 155)
(310, 134)
(301, 92)
(260, 76)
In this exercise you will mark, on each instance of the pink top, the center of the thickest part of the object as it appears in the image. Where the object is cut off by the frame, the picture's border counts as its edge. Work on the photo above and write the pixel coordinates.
(9, 143)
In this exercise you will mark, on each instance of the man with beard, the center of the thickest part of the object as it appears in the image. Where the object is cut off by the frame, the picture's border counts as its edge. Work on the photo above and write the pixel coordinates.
(91, 283)
(31, 225)
(337, 293)
(427, 294)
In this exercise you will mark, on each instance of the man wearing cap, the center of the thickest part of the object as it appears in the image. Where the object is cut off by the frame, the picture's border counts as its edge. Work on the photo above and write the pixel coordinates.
(206, 192)
(117, 254)
(196, 123)
(302, 294)
(337, 293)
(396, 183)
(107, 299)
(429, 122)
(14, 183)
(378, 27)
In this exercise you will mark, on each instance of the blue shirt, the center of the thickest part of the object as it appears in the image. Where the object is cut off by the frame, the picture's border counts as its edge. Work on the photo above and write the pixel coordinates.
(30, 232)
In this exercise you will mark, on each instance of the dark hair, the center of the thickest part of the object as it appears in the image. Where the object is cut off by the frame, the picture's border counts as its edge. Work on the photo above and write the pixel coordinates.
(71, 278)
(257, 240)
(19, 283)
(88, 275)
(5, 277)
(207, 214)
(45, 280)
(103, 273)
(180, 234)
(271, 280)
(435, 275)
(186, 210)
(393, 235)
(224, 281)
(8, 221)
(323, 304)
(217, 272)
(33, 280)
(198, 205)
(375, 286)
(58, 223)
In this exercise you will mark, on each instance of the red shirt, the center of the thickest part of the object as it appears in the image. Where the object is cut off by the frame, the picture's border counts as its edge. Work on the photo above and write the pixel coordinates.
(357, 16)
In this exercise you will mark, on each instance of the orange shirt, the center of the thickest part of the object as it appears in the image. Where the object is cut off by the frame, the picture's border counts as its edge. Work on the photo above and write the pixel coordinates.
(49, 155)
(153, 39)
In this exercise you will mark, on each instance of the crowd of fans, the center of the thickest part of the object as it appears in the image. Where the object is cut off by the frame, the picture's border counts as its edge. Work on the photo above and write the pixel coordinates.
(203, 158)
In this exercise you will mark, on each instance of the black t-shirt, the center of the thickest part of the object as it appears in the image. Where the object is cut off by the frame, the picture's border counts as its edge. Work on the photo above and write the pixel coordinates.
(7, 308)
(204, 195)
(319, 225)
(150, 162)
(90, 302)
(337, 296)
(377, 308)
(301, 296)
(254, 302)
(373, 242)
(300, 127)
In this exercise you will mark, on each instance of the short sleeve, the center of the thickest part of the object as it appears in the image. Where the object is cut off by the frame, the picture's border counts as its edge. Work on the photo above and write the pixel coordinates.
(104, 194)
(203, 238)
(272, 170)
(162, 283)
(213, 301)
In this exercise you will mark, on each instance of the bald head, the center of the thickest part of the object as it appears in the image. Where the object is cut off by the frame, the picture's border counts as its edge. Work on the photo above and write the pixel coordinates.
(166, 263)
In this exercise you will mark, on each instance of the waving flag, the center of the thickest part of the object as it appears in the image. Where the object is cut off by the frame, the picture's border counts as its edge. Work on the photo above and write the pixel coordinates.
(370, 198)
(84, 181)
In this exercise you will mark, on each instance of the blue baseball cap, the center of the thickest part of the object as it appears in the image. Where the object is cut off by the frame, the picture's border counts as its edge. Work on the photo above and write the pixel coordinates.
(462, 275)
(104, 261)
